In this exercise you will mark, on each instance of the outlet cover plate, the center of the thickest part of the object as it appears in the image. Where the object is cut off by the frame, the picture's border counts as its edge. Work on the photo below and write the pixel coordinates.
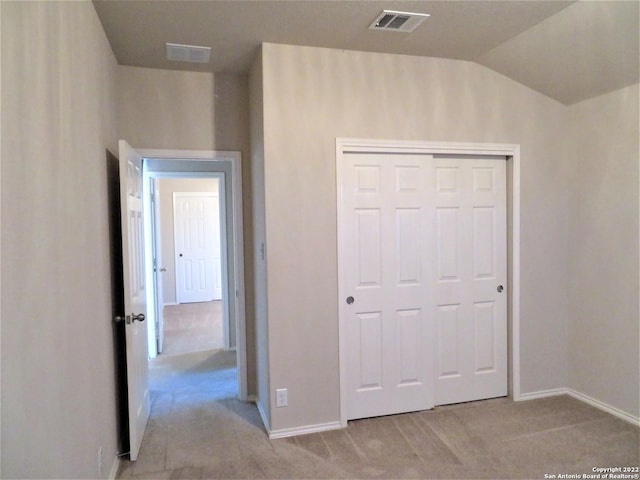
(282, 399)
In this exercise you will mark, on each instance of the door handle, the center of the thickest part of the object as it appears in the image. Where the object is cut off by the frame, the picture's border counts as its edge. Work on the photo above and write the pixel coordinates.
(350, 300)
(500, 288)
(163, 269)
(129, 319)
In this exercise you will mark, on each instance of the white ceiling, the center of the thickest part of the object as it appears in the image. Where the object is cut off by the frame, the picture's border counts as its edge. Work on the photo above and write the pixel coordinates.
(566, 50)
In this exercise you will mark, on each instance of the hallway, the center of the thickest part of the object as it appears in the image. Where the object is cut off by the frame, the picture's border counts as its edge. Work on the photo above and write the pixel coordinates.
(192, 395)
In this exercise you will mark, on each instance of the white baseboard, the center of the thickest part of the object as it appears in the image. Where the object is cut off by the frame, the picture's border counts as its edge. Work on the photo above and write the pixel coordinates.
(605, 407)
(292, 432)
(542, 394)
(115, 467)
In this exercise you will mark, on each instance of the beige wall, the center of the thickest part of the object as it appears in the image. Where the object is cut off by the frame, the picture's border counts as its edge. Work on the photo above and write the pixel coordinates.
(603, 262)
(166, 188)
(183, 110)
(58, 120)
(165, 108)
(312, 96)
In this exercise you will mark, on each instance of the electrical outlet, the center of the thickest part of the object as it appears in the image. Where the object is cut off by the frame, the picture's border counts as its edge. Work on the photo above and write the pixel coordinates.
(282, 399)
(100, 461)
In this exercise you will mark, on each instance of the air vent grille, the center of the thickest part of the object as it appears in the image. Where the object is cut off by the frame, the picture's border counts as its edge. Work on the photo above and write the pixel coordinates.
(393, 21)
(188, 53)
(398, 21)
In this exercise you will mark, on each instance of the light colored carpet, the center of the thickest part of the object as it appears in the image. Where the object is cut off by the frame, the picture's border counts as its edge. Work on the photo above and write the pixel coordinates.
(192, 327)
(198, 430)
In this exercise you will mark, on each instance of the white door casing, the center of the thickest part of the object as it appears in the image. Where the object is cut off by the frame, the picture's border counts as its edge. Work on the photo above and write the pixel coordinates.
(158, 269)
(217, 249)
(134, 294)
(459, 369)
(195, 245)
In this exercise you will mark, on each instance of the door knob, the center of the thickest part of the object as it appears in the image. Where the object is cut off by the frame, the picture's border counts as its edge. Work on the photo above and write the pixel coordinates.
(500, 288)
(350, 300)
(129, 319)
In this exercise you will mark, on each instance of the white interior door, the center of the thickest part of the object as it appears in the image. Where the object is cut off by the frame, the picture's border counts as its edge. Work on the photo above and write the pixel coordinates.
(385, 300)
(195, 246)
(423, 257)
(134, 294)
(470, 274)
(158, 269)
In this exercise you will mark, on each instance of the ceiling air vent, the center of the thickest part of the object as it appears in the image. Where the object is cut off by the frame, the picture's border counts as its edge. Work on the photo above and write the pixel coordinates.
(391, 20)
(188, 53)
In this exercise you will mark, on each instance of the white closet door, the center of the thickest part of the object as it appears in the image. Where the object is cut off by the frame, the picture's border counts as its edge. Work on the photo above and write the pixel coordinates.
(422, 275)
(470, 274)
(385, 308)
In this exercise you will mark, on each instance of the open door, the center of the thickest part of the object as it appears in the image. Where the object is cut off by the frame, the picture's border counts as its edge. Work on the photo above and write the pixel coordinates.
(134, 294)
(158, 269)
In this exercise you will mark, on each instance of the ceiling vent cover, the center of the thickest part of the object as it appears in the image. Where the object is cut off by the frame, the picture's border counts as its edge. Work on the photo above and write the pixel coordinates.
(394, 21)
(188, 53)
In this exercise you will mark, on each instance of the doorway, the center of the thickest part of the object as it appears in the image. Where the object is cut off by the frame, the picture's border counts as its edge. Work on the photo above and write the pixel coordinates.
(223, 170)
(189, 272)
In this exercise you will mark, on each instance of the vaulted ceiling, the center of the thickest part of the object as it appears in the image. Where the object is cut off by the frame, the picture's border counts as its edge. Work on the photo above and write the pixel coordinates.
(566, 50)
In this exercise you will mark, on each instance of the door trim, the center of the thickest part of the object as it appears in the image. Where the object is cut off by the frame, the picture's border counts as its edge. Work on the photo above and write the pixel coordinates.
(173, 159)
(346, 146)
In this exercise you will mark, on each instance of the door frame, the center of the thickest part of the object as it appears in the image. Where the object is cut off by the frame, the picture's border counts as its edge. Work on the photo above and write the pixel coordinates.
(208, 164)
(346, 146)
(155, 326)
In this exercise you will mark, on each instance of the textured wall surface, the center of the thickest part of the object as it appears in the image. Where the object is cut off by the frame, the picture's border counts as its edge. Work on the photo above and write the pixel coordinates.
(58, 120)
(312, 96)
(603, 262)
